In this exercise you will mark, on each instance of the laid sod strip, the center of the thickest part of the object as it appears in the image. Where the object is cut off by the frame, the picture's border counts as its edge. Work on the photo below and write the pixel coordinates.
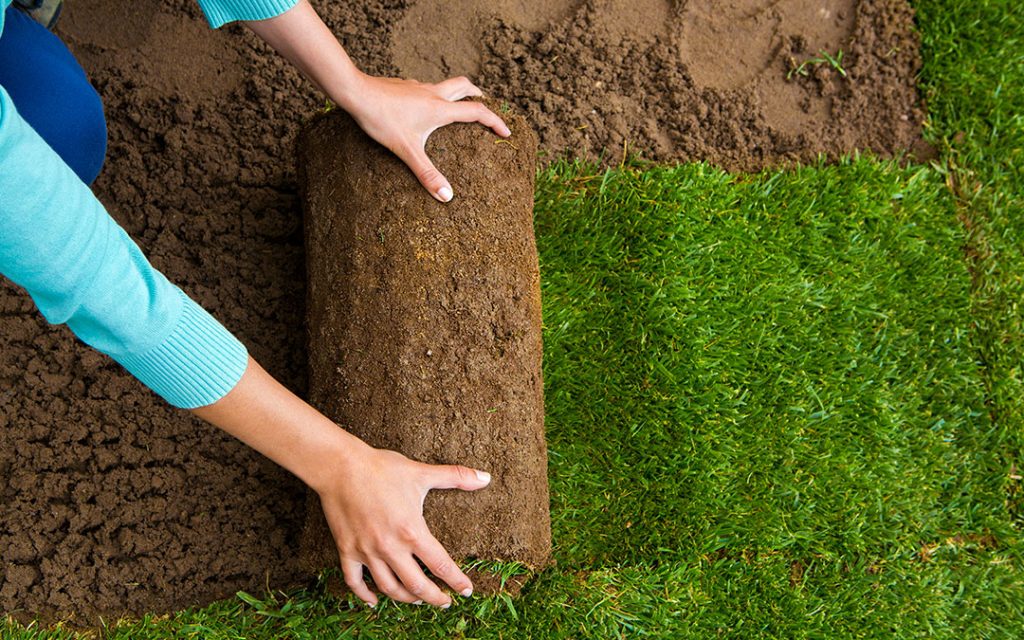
(781, 363)
(765, 418)
(979, 48)
(663, 601)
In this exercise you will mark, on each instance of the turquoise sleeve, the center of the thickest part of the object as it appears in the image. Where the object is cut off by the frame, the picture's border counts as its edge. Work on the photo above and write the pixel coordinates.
(220, 12)
(81, 269)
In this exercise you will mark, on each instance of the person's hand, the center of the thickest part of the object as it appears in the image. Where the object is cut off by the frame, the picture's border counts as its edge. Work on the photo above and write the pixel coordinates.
(373, 498)
(401, 115)
(374, 507)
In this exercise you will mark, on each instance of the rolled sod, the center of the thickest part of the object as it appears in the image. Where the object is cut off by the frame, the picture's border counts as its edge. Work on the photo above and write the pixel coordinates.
(424, 324)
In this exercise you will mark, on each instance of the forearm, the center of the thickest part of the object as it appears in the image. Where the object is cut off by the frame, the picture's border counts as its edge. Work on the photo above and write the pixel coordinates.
(83, 270)
(304, 40)
(268, 417)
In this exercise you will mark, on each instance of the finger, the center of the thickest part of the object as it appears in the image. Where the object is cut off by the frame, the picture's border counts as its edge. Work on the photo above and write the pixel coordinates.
(476, 112)
(417, 582)
(456, 89)
(388, 584)
(428, 175)
(441, 565)
(456, 476)
(353, 571)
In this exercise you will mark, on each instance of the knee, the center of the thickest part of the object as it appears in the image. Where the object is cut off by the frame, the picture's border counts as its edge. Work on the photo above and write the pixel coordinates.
(74, 126)
(69, 117)
(85, 134)
(53, 94)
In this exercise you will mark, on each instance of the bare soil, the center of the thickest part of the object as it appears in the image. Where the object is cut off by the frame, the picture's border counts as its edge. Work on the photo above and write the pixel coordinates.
(685, 79)
(112, 502)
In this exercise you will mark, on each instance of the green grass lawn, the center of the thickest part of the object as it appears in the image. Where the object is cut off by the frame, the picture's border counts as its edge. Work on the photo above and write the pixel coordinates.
(781, 405)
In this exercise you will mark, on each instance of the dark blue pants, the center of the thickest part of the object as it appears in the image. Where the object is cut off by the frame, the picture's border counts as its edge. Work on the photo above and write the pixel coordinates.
(52, 94)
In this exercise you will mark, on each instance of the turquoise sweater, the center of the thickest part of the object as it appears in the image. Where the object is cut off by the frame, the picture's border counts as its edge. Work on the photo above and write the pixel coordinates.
(81, 268)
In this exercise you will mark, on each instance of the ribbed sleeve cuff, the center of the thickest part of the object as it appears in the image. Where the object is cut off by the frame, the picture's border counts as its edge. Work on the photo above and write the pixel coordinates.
(196, 365)
(220, 12)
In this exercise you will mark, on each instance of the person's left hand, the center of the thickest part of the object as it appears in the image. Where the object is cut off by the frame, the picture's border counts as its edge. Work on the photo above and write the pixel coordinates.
(401, 115)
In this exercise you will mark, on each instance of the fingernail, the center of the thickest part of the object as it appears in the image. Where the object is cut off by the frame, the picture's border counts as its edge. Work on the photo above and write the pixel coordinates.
(445, 606)
(506, 131)
(468, 591)
(445, 193)
(418, 602)
(483, 476)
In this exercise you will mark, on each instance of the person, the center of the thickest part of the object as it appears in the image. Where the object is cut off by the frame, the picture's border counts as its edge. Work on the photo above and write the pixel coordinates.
(83, 270)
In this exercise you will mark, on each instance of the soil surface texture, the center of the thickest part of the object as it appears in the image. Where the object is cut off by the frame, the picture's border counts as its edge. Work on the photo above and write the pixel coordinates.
(112, 502)
(740, 83)
(425, 325)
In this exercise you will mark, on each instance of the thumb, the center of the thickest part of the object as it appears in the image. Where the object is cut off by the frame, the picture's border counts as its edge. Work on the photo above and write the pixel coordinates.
(428, 175)
(456, 476)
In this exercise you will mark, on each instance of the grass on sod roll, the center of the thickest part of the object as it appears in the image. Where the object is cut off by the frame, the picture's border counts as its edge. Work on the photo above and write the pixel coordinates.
(783, 405)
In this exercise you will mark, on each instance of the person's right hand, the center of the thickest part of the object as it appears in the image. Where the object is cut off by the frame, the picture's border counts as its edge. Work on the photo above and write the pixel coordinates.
(374, 507)
(373, 498)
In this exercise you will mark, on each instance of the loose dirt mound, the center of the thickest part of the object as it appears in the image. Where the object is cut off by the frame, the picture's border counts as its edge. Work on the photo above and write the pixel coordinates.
(113, 502)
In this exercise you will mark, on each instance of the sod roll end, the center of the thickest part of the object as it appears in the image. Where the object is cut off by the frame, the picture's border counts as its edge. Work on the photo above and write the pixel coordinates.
(425, 326)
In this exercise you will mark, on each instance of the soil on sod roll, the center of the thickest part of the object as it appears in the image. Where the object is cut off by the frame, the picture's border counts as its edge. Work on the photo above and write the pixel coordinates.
(425, 325)
(112, 502)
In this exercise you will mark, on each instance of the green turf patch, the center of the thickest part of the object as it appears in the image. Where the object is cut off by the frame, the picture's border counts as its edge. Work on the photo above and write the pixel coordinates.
(972, 80)
(664, 601)
(779, 362)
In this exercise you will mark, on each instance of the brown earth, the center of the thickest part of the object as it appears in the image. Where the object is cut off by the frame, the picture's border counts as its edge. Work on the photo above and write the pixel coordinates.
(425, 326)
(113, 502)
(685, 79)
